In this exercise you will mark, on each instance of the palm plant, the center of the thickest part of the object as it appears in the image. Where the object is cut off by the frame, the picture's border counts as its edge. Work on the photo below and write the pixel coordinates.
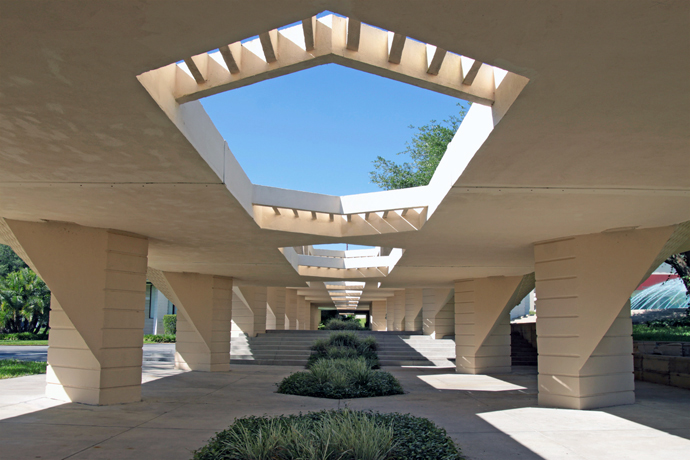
(24, 302)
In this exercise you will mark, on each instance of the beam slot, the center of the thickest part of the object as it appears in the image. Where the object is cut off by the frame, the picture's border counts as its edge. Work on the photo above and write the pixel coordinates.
(395, 53)
(267, 46)
(436, 61)
(229, 59)
(308, 28)
(353, 30)
(196, 73)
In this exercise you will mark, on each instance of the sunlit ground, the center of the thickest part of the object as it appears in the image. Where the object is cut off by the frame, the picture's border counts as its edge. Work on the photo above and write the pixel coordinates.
(467, 382)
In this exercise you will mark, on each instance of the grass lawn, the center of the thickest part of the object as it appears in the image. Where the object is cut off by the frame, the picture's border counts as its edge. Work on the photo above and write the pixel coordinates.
(23, 342)
(14, 368)
(643, 332)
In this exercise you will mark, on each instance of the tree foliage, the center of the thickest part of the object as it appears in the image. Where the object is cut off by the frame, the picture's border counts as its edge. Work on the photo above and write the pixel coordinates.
(9, 261)
(24, 302)
(426, 149)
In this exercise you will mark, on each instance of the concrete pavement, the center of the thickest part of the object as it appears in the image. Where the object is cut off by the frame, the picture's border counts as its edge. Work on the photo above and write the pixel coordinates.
(490, 417)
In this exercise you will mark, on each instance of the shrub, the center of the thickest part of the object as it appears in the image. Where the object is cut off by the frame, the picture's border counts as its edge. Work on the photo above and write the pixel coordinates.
(344, 345)
(329, 435)
(24, 336)
(338, 324)
(157, 338)
(170, 324)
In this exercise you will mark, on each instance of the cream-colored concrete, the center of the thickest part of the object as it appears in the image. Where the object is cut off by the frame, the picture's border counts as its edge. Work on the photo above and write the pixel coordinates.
(242, 315)
(482, 322)
(438, 312)
(315, 317)
(303, 313)
(205, 304)
(378, 315)
(291, 309)
(276, 303)
(413, 309)
(399, 311)
(255, 297)
(98, 280)
(583, 287)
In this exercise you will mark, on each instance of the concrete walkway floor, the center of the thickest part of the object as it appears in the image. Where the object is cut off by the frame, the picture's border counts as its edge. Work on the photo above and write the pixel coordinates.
(489, 417)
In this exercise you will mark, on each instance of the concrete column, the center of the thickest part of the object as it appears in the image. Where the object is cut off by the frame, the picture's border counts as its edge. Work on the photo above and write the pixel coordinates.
(204, 318)
(583, 325)
(378, 315)
(303, 314)
(242, 315)
(399, 309)
(98, 280)
(315, 318)
(413, 309)
(161, 309)
(290, 309)
(482, 322)
(255, 296)
(390, 314)
(276, 303)
(438, 312)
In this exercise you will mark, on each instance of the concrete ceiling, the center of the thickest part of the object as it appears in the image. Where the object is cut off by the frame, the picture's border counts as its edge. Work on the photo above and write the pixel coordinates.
(598, 139)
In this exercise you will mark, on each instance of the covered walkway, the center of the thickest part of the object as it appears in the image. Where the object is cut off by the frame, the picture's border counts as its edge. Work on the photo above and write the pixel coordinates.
(490, 417)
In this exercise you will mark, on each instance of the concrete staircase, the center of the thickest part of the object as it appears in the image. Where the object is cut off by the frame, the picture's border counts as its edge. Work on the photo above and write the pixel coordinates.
(292, 348)
(522, 353)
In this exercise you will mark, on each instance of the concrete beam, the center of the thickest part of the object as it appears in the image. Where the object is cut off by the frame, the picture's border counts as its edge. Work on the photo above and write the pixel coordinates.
(435, 65)
(396, 48)
(194, 69)
(354, 28)
(229, 59)
(471, 73)
(267, 46)
(308, 28)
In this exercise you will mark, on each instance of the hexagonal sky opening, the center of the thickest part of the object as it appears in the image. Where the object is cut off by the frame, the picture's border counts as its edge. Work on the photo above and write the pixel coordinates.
(319, 130)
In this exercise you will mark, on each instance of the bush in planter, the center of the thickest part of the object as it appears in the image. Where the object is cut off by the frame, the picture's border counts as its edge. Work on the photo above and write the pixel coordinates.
(345, 345)
(170, 324)
(347, 324)
(24, 336)
(329, 435)
(158, 338)
(341, 379)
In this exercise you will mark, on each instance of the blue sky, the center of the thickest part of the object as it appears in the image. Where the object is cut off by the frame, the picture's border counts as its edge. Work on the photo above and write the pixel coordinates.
(319, 130)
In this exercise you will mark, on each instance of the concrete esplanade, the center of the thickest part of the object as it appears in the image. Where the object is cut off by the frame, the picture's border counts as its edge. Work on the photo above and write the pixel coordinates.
(571, 173)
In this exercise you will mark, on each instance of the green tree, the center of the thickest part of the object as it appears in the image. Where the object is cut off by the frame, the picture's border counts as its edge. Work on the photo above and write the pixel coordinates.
(427, 147)
(24, 302)
(9, 261)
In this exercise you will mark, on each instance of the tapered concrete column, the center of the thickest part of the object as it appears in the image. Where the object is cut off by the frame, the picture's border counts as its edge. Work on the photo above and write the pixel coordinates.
(413, 309)
(315, 318)
(399, 316)
(204, 318)
(438, 312)
(98, 282)
(276, 303)
(290, 309)
(378, 315)
(390, 314)
(303, 313)
(255, 296)
(482, 322)
(583, 325)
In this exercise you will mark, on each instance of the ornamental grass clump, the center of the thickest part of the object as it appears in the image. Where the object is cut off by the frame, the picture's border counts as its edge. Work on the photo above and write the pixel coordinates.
(342, 366)
(331, 435)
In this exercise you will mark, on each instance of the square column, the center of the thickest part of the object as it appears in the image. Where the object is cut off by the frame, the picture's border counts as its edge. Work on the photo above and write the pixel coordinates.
(204, 318)
(98, 283)
(290, 309)
(315, 318)
(583, 322)
(438, 312)
(413, 309)
(255, 297)
(378, 315)
(399, 311)
(275, 297)
(482, 322)
(303, 313)
(390, 313)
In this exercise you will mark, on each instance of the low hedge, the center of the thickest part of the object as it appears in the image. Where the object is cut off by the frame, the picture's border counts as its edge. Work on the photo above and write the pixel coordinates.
(169, 324)
(331, 435)
(337, 324)
(341, 379)
(24, 336)
(345, 345)
(158, 338)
